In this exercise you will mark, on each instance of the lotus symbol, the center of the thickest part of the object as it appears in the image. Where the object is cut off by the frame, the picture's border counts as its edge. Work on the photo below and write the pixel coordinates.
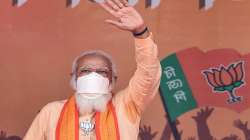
(226, 79)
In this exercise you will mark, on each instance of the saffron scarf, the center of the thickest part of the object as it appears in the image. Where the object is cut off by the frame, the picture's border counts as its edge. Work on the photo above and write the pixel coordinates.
(106, 126)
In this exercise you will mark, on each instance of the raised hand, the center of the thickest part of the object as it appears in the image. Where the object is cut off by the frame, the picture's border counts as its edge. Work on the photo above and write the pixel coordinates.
(146, 133)
(166, 134)
(203, 114)
(239, 124)
(201, 122)
(127, 17)
(243, 127)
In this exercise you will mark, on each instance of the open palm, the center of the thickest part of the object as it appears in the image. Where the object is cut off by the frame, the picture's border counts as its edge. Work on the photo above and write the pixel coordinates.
(127, 17)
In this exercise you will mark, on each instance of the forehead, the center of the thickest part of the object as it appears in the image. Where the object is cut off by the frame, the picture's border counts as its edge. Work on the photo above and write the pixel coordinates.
(93, 61)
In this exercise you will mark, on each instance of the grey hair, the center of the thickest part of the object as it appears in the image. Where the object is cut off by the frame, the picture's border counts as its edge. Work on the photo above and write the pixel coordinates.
(92, 53)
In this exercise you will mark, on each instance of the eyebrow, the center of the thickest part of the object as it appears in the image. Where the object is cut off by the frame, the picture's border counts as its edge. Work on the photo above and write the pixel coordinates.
(84, 67)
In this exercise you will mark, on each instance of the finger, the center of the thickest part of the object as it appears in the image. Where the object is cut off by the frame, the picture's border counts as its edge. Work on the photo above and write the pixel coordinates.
(115, 23)
(119, 3)
(206, 109)
(181, 132)
(245, 124)
(145, 128)
(149, 128)
(108, 9)
(112, 5)
(177, 122)
(125, 2)
(202, 110)
(211, 111)
(140, 129)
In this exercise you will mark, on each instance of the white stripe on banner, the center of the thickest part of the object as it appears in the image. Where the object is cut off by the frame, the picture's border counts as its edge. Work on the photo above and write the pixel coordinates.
(74, 3)
(154, 3)
(209, 4)
(132, 2)
(20, 3)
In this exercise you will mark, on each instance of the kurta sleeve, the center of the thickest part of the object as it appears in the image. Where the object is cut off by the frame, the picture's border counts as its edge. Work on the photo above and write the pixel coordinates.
(38, 126)
(144, 84)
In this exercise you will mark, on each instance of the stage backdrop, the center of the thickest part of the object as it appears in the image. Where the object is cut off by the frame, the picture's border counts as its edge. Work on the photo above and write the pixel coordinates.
(39, 40)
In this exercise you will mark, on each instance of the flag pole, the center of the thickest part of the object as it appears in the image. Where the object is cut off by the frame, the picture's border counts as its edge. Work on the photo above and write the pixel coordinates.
(172, 124)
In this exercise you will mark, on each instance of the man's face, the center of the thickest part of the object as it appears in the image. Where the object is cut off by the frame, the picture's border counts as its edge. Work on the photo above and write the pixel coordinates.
(94, 63)
(86, 65)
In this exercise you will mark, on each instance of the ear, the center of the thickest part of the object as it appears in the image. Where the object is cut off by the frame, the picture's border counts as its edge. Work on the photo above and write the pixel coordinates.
(111, 86)
(111, 78)
(114, 78)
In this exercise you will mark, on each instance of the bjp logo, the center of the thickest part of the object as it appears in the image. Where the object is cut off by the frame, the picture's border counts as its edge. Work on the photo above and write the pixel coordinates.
(226, 79)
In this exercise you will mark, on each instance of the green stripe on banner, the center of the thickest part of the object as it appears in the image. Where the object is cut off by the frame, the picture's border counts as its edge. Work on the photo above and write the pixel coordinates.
(175, 91)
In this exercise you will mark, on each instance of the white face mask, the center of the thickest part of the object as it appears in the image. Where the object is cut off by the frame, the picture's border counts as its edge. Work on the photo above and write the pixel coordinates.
(92, 86)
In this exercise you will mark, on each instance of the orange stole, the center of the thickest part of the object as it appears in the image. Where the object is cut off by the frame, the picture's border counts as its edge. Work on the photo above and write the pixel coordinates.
(106, 126)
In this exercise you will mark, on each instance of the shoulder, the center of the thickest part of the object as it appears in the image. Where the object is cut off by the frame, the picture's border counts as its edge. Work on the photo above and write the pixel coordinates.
(53, 106)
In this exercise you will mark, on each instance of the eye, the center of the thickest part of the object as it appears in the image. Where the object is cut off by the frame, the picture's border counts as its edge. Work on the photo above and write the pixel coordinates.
(85, 71)
(103, 72)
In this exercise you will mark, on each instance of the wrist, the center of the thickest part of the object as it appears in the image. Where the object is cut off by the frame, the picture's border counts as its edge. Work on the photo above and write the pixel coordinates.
(141, 33)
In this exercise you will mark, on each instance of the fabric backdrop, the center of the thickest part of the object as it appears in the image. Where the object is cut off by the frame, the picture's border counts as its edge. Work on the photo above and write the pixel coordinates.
(39, 40)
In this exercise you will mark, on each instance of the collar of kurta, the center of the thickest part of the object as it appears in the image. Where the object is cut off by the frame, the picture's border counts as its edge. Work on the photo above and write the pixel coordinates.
(106, 126)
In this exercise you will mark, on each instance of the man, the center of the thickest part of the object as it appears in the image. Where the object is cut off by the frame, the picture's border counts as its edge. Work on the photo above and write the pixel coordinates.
(94, 112)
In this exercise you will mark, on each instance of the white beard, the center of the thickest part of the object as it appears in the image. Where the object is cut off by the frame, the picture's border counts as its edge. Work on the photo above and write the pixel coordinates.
(89, 105)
